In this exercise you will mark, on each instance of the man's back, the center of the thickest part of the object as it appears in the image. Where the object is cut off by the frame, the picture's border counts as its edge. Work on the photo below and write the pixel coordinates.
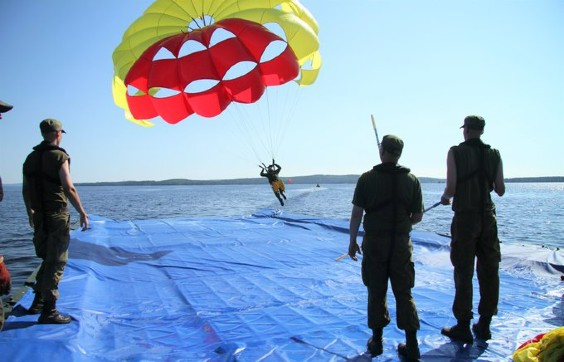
(389, 194)
(476, 168)
(41, 169)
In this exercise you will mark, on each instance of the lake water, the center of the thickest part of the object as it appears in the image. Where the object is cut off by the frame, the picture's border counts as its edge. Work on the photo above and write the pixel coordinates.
(529, 213)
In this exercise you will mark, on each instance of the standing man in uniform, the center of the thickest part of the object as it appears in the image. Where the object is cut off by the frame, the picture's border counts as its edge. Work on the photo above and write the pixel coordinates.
(474, 169)
(390, 198)
(47, 189)
(4, 107)
(5, 280)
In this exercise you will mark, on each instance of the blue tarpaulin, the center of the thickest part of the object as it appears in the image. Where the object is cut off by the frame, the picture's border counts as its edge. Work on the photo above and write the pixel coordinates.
(264, 287)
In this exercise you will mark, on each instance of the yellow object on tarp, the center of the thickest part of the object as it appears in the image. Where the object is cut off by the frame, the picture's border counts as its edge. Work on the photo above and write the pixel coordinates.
(548, 348)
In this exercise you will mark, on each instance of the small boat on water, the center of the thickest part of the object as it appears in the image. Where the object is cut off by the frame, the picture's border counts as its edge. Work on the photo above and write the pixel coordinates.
(261, 287)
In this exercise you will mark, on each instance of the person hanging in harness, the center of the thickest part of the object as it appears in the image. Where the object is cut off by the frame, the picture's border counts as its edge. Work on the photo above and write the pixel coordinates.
(391, 200)
(271, 173)
(47, 189)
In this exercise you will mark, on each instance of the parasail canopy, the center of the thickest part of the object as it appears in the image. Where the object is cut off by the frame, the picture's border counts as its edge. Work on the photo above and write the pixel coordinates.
(185, 57)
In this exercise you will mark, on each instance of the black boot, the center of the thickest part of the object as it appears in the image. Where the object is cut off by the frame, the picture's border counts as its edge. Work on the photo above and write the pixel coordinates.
(460, 332)
(482, 328)
(375, 343)
(410, 349)
(36, 306)
(50, 315)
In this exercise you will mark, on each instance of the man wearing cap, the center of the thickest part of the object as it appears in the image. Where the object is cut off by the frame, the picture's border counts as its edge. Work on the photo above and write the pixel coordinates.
(474, 169)
(4, 107)
(47, 189)
(390, 198)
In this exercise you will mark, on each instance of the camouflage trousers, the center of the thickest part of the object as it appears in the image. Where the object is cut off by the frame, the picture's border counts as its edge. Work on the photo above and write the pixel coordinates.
(475, 241)
(388, 257)
(51, 240)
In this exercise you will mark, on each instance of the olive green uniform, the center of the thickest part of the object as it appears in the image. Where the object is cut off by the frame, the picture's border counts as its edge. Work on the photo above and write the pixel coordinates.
(51, 217)
(474, 229)
(389, 195)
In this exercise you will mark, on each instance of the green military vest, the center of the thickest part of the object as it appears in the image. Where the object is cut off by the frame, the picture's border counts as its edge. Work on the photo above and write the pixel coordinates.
(389, 194)
(476, 168)
(41, 167)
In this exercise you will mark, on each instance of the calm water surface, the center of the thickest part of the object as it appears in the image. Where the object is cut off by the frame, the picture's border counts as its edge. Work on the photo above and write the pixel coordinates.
(529, 213)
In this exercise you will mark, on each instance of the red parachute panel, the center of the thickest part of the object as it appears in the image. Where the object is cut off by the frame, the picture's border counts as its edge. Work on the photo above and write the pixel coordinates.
(165, 85)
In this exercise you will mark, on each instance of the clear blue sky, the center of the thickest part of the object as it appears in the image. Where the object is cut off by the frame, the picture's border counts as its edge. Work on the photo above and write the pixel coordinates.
(419, 66)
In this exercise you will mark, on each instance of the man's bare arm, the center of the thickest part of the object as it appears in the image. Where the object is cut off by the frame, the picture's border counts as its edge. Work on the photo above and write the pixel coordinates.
(356, 218)
(450, 188)
(72, 194)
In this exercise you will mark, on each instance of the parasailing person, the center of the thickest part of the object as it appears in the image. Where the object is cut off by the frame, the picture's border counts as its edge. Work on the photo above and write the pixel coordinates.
(271, 173)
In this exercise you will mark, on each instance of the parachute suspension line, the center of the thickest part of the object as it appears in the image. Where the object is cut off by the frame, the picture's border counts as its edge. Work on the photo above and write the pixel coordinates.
(207, 11)
(270, 125)
(243, 121)
(263, 125)
(275, 113)
(202, 24)
(194, 21)
(267, 127)
(259, 122)
(283, 109)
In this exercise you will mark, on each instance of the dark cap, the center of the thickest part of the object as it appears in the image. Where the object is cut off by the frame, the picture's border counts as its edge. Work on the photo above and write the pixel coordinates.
(474, 122)
(51, 125)
(5, 107)
(392, 144)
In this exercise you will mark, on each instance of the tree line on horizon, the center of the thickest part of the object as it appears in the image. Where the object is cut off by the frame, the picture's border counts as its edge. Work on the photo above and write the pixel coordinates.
(313, 179)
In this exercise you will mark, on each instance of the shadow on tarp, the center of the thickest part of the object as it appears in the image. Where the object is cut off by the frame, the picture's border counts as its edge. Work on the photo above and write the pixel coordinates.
(456, 351)
(245, 289)
(30, 320)
(558, 310)
(111, 256)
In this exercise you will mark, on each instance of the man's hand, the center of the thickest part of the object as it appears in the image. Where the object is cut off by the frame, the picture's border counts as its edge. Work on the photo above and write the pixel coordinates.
(30, 218)
(84, 222)
(445, 200)
(353, 249)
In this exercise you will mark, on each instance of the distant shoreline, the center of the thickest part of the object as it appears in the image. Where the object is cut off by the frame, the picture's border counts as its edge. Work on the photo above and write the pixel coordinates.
(313, 179)
(299, 180)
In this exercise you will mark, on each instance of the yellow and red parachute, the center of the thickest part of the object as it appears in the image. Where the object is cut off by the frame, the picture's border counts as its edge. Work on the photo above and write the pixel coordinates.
(184, 57)
(545, 347)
